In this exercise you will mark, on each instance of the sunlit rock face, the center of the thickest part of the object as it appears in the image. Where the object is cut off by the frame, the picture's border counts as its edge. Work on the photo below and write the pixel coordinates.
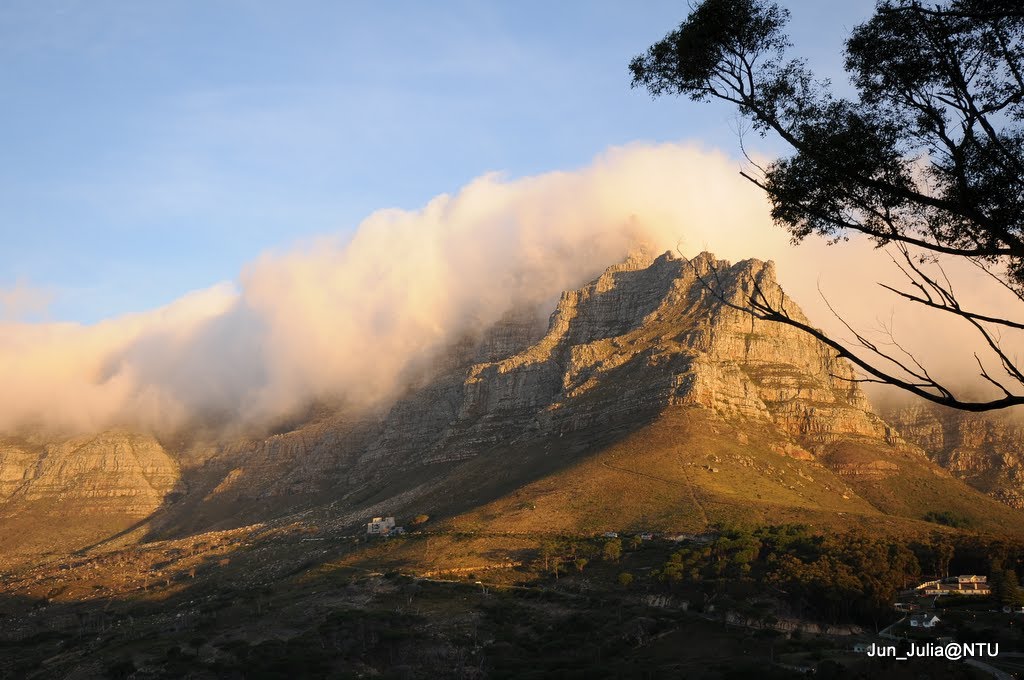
(984, 450)
(61, 494)
(114, 472)
(648, 334)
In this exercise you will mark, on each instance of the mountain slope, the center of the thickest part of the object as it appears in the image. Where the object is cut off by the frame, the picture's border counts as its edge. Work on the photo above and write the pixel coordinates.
(984, 450)
(646, 402)
(642, 376)
(60, 495)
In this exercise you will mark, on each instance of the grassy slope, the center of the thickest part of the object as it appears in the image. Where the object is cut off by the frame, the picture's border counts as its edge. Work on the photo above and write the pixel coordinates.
(921, 486)
(686, 470)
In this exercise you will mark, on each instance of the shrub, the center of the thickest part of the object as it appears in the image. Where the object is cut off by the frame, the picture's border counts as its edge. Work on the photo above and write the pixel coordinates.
(612, 550)
(948, 518)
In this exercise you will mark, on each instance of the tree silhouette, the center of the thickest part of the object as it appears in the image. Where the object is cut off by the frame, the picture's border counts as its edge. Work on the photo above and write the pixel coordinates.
(927, 159)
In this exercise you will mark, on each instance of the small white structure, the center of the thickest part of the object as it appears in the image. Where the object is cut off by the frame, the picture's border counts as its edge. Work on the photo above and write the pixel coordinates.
(971, 578)
(610, 534)
(924, 621)
(380, 526)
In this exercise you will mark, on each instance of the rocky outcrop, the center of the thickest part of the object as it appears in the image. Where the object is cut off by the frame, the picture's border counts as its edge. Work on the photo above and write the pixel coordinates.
(18, 460)
(112, 473)
(875, 469)
(762, 369)
(666, 332)
(984, 450)
(648, 334)
(648, 340)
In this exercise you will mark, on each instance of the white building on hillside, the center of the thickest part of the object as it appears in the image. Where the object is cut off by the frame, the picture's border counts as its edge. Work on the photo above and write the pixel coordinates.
(924, 621)
(380, 526)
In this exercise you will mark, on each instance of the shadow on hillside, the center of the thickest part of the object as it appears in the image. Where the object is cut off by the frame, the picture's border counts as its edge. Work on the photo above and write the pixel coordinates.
(357, 485)
(465, 473)
(55, 615)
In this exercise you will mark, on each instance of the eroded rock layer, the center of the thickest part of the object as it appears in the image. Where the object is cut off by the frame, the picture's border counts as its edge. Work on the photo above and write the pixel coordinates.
(648, 334)
(654, 357)
(109, 473)
(984, 450)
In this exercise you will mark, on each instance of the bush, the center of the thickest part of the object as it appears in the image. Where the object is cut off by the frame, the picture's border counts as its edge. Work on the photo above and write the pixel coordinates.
(612, 550)
(948, 518)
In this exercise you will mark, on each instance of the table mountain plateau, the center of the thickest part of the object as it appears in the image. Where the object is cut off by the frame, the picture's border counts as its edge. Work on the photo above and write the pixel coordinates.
(646, 402)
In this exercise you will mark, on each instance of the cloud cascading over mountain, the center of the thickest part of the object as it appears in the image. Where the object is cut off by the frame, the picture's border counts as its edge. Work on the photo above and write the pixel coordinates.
(350, 316)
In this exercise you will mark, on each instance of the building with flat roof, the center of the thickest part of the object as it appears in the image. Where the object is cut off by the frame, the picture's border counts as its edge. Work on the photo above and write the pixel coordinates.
(380, 526)
(969, 584)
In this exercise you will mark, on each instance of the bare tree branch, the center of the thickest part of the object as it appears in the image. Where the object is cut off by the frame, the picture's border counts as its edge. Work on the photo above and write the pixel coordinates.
(917, 380)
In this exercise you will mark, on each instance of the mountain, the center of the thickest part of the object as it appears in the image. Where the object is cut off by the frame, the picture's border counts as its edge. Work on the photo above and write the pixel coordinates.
(984, 450)
(646, 402)
(652, 404)
(59, 495)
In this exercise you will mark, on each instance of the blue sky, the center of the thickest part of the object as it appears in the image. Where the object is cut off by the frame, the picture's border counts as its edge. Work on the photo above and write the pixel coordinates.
(154, 148)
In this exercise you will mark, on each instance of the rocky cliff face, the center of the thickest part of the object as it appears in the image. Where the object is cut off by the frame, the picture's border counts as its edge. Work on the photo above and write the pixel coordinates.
(60, 495)
(984, 450)
(657, 334)
(112, 473)
(646, 335)
(350, 449)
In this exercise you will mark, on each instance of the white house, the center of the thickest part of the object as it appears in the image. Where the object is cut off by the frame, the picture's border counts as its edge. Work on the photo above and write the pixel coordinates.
(380, 526)
(924, 621)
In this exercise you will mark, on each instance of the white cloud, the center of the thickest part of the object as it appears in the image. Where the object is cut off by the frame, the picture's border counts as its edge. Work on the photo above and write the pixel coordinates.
(348, 317)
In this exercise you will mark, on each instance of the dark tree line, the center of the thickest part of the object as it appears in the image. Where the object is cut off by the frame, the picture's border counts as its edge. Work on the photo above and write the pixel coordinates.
(851, 576)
